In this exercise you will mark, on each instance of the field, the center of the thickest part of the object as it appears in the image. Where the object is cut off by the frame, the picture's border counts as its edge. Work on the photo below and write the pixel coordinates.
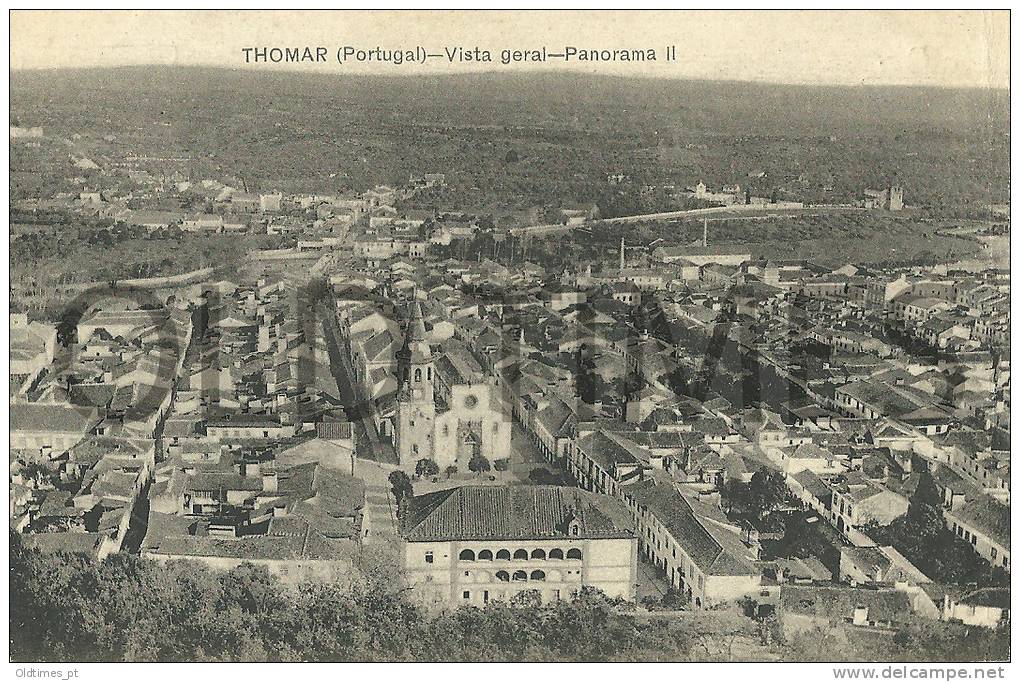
(51, 263)
(860, 237)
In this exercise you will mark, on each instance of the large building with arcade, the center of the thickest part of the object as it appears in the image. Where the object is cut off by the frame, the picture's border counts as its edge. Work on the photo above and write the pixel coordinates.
(476, 544)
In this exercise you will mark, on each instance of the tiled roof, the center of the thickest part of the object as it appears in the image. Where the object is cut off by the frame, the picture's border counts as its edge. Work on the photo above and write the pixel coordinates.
(513, 513)
(555, 417)
(333, 430)
(92, 395)
(988, 516)
(810, 481)
(699, 529)
(839, 602)
(57, 503)
(94, 448)
(307, 545)
(323, 515)
(215, 481)
(64, 542)
(43, 417)
(379, 347)
(997, 597)
(607, 450)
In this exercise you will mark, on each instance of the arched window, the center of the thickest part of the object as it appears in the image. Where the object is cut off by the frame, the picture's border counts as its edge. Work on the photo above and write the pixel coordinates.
(503, 576)
(428, 373)
(417, 374)
(574, 553)
(538, 554)
(503, 555)
(555, 553)
(521, 554)
(538, 575)
(467, 555)
(520, 576)
(485, 555)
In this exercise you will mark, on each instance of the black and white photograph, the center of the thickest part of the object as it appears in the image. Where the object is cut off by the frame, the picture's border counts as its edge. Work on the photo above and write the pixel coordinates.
(504, 337)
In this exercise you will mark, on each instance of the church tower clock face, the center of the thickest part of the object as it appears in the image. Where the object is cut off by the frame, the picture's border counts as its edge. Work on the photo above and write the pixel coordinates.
(470, 401)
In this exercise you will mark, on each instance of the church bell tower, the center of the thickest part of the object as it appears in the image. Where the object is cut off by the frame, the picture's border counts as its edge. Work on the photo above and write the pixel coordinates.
(416, 405)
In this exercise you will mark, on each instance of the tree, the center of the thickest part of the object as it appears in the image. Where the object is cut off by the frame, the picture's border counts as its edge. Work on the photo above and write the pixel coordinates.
(924, 517)
(736, 494)
(527, 599)
(590, 386)
(767, 491)
(401, 486)
(923, 538)
(542, 476)
(673, 599)
(316, 290)
(802, 539)
(426, 468)
(126, 608)
(478, 464)
(450, 471)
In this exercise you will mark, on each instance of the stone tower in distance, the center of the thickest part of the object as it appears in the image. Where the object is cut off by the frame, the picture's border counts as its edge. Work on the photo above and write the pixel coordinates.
(896, 198)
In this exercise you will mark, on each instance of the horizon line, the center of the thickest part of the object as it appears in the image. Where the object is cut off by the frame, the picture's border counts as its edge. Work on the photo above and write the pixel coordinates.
(495, 71)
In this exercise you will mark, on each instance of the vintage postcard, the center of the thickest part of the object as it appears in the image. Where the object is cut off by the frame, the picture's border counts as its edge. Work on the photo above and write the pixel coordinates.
(510, 336)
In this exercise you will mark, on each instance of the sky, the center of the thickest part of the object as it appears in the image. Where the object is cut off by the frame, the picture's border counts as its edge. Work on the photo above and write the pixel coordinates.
(881, 47)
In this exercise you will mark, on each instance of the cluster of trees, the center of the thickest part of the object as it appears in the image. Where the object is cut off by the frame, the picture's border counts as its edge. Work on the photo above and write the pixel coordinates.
(427, 468)
(765, 493)
(479, 464)
(69, 607)
(921, 535)
(591, 387)
(402, 489)
(922, 641)
(627, 199)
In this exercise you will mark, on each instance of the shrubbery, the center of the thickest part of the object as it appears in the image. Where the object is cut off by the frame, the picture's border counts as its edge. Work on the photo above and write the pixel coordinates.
(69, 607)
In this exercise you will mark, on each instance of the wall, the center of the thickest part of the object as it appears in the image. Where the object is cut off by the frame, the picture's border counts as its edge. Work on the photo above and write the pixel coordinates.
(290, 571)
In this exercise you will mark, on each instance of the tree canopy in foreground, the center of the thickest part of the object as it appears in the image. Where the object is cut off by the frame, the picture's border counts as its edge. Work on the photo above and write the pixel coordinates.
(125, 608)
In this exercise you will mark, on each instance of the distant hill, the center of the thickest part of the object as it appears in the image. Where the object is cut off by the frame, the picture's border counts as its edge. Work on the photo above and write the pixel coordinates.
(292, 130)
(768, 107)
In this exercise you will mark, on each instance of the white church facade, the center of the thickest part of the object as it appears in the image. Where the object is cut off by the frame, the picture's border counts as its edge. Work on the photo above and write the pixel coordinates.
(446, 411)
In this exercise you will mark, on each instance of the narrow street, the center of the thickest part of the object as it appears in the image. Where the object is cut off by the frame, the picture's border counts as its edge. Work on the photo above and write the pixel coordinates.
(370, 444)
(650, 583)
